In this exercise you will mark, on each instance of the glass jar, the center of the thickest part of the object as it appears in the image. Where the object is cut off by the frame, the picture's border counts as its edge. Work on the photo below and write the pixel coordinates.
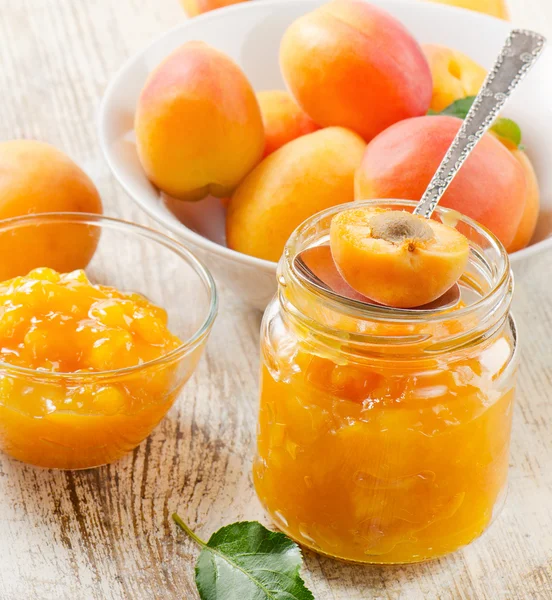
(384, 434)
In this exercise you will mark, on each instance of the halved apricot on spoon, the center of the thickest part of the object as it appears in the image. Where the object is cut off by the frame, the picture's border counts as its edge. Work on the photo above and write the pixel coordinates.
(396, 258)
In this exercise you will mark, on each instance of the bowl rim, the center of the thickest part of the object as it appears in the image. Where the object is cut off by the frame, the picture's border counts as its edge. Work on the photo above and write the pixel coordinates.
(186, 347)
(173, 224)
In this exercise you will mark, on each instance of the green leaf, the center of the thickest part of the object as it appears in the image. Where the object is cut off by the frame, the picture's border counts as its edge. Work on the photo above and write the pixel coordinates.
(246, 561)
(505, 128)
(459, 108)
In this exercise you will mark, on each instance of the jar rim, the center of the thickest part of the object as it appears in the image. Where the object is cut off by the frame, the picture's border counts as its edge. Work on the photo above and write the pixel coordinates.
(493, 301)
(290, 253)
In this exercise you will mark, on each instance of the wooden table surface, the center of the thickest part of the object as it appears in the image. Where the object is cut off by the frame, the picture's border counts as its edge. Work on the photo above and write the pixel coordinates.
(106, 533)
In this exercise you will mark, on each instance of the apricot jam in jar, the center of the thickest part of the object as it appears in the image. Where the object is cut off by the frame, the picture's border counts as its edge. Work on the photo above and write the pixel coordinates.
(384, 434)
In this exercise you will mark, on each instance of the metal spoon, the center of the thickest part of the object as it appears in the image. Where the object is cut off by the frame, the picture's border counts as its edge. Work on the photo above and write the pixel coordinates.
(519, 53)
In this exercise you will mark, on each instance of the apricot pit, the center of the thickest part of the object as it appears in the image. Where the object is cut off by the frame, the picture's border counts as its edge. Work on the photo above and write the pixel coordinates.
(396, 258)
(395, 227)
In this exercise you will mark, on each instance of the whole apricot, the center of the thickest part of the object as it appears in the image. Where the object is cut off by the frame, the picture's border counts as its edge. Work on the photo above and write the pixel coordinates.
(455, 75)
(490, 188)
(352, 64)
(307, 175)
(396, 258)
(38, 178)
(198, 7)
(528, 223)
(283, 119)
(198, 124)
(495, 8)
(530, 216)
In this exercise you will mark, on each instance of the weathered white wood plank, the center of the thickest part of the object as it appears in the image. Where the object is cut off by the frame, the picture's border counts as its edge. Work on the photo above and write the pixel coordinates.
(106, 534)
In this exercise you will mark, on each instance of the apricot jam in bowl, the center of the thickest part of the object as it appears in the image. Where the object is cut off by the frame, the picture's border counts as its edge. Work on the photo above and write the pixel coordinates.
(384, 434)
(92, 359)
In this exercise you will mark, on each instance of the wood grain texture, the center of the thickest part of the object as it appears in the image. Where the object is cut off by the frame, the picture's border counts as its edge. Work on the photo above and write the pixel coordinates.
(106, 533)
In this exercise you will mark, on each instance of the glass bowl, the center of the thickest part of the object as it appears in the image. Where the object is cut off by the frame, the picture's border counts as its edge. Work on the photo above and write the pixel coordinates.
(81, 420)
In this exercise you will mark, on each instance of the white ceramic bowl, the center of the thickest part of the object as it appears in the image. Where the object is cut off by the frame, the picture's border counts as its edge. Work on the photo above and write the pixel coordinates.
(250, 33)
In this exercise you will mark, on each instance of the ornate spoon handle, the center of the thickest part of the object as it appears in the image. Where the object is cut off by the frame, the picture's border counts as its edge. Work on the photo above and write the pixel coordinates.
(520, 52)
